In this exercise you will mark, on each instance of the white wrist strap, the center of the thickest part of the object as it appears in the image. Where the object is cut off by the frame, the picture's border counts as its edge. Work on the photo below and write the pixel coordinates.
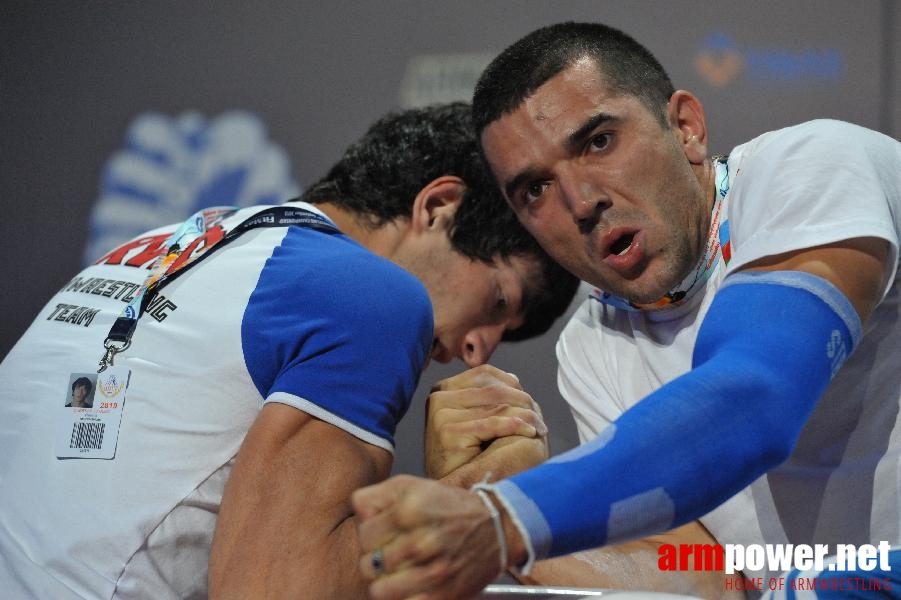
(498, 526)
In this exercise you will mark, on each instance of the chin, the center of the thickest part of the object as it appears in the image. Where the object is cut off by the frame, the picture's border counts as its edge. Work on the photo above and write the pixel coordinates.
(646, 294)
(647, 288)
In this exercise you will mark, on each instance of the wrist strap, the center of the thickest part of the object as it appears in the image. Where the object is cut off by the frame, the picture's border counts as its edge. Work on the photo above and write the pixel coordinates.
(498, 526)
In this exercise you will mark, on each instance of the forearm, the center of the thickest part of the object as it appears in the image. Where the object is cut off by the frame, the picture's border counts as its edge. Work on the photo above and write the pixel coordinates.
(756, 377)
(634, 566)
(286, 526)
(320, 566)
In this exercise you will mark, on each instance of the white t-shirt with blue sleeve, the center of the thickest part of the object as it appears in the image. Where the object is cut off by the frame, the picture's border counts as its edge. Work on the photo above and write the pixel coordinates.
(282, 314)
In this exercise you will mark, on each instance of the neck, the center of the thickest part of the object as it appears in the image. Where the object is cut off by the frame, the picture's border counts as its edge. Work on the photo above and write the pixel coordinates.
(382, 239)
(706, 174)
(709, 182)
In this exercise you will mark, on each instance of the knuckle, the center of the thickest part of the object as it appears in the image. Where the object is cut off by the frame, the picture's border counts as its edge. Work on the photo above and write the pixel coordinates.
(497, 409)
(452, 441)
(494, 394)
(440, 569)
(410, 551)
(443, 384)
(440, 416)
(487, 369)
(435, 400)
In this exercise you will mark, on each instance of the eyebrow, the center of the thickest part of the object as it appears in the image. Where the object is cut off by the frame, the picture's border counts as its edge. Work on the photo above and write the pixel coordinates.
(527, 301)
(577, 138)
(573, 141)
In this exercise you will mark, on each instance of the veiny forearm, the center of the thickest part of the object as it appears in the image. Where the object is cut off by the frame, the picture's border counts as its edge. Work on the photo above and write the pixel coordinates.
(318, 565)
(634, 566)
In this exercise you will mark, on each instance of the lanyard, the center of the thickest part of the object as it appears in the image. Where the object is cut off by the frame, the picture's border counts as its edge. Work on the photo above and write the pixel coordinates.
(717, 245)
(194, 240)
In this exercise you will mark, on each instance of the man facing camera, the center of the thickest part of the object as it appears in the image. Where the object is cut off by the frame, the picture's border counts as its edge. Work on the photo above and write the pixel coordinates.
(736, 370)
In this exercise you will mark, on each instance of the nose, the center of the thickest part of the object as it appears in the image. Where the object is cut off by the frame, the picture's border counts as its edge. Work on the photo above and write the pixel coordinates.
(582, 198)
(480, 343)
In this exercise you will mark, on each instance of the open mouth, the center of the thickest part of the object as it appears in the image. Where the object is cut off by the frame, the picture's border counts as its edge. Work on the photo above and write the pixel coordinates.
(622, 244)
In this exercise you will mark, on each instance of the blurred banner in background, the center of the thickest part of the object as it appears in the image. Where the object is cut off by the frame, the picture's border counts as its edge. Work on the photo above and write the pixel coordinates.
(120, 116)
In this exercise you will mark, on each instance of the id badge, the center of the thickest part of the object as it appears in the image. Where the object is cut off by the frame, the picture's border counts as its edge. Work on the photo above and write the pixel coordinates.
(90, 417)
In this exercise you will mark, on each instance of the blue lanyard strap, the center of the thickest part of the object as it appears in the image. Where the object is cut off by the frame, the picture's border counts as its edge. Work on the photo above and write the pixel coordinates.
(195, 239)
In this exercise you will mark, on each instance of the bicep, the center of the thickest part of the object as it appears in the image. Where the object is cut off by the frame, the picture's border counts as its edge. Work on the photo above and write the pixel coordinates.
(857, 267)
(285, 521)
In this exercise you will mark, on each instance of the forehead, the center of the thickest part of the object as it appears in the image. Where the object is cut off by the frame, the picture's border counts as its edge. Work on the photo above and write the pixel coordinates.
(579, 85)
(553, 112)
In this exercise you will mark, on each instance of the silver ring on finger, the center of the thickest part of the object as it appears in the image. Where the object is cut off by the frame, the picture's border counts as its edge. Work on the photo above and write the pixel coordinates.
(378, 562)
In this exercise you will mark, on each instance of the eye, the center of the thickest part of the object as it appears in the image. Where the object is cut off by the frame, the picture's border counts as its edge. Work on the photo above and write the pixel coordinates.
(534, 190)
(500, 299)
(600, 141)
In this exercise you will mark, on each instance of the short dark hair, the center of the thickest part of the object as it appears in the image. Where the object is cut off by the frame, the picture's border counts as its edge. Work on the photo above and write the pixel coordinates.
(379, 176)
(628, 67)
(82, 382)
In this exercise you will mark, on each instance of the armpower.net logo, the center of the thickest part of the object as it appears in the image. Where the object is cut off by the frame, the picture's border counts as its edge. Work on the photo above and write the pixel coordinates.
(818, 567)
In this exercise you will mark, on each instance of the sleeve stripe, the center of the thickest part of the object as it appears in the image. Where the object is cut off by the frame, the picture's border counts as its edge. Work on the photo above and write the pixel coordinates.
(320, 413)
(528, 518)
(819, 287)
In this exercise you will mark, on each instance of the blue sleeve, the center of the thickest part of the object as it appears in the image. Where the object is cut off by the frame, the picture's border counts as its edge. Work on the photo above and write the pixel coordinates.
(766, 351)
(339, 333)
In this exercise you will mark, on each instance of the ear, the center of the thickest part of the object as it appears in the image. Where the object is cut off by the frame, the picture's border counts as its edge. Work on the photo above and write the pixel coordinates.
(686, 115)
(436, 204)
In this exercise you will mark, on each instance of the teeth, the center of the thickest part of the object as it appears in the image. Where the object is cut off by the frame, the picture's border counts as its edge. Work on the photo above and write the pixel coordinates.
(623, 243)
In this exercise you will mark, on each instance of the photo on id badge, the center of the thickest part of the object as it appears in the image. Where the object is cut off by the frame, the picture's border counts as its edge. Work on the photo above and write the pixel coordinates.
(80, 393)
(89, 423)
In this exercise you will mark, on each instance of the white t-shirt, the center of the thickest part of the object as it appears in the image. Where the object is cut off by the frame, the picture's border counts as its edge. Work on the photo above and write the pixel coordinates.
(800, 187)
(280, 314)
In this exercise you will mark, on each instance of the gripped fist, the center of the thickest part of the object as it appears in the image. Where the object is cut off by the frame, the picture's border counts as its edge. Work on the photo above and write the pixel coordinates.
(421, 538)
(481, 411)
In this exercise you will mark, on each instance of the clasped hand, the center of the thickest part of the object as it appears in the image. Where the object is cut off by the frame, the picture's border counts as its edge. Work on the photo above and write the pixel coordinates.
(425, 539)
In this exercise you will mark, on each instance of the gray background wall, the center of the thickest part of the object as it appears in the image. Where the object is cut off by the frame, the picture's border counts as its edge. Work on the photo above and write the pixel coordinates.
(75, 75)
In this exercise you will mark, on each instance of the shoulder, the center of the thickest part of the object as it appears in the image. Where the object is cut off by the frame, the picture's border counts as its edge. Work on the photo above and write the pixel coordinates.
(339, 272)
(818, 159)
(816, 183)
(826, 140)
(323, 282)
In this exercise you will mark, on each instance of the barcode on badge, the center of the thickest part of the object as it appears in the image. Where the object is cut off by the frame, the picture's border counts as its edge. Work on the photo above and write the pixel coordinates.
(87, 435)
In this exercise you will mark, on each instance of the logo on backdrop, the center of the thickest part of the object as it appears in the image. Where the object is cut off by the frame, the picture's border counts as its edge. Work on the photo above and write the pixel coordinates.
(721, 61)
(432, 78)
(172, 167)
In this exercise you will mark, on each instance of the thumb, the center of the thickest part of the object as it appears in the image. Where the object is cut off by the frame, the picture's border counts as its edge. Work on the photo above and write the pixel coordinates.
(374, 499)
